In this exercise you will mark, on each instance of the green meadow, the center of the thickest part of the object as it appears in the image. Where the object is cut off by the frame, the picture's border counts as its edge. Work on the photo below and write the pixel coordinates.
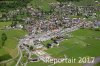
(10, 46)
(43, 4)
(77, 46)
(84, 43)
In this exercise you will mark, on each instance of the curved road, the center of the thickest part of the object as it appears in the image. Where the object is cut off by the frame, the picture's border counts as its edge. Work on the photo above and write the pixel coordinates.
(97, 60)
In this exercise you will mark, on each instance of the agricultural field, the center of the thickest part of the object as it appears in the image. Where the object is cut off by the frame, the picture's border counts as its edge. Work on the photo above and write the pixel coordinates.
(10, 49)
(77, 46)
(78, 43)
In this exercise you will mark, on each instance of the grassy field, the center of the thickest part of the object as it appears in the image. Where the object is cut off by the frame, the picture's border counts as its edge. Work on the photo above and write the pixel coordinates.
(43, 4)
(37, 64)
(12, 40)
(3, 24)
(47, 64)
(78, 43)
(10, 44)
(75, 47)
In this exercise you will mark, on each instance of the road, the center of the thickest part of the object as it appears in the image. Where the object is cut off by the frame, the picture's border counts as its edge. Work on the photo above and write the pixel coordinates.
(97, 60)
(20, 53)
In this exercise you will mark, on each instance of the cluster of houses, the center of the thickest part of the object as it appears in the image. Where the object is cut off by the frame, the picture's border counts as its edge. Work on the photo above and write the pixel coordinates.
(38, 22)
(59, 18)
(55, 24)
(56, 41)
(77, 10)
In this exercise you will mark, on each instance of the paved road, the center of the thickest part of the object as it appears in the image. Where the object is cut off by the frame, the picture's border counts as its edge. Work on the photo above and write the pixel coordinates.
(97, 60)
(27, 50)
(20, 52)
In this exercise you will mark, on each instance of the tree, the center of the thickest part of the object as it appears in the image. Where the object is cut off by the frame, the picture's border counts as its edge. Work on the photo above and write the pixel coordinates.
(97, 29)
(31, 48)
(3, 38)
(14, 23)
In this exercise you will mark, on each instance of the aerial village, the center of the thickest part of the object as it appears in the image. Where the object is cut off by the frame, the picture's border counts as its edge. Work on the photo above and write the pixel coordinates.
(56, 26)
